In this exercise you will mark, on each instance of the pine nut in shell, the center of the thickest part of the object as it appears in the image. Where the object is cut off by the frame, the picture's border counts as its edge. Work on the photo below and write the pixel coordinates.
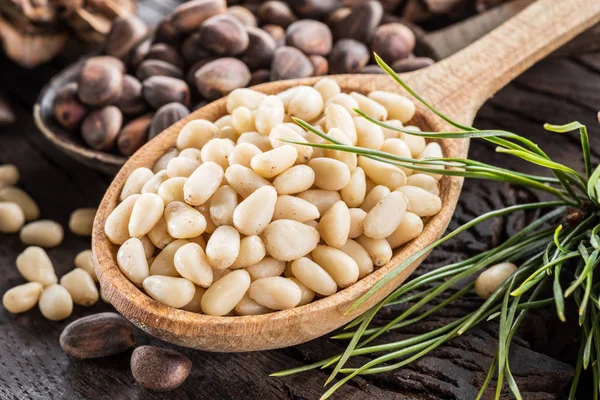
(203, 183)
(12, 217)
(146, 212)
(222, 297)
(170, 291)
(56, 303)
(85, 261)
(43, 233)
(81, 221)
(420, 201)
(22, 298)
(294, 180)
(22, 199)
(287, 240)
(255, 212)
(275, 292)
(334, 225)
(252, 251)
(379, 249)
(81, 287)
(159, 369)
(340, 266)
(492, 278)
(268, 266)
(383, 219)
(131, 259)
(313, 276)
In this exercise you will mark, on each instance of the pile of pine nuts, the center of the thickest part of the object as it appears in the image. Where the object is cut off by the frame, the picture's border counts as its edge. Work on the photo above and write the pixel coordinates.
(18, 213)
(236, 221)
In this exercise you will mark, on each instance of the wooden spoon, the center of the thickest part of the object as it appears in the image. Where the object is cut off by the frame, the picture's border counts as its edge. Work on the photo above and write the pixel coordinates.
(458, 86)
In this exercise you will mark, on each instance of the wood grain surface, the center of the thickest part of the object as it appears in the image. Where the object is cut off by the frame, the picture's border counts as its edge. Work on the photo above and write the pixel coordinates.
(32, 365)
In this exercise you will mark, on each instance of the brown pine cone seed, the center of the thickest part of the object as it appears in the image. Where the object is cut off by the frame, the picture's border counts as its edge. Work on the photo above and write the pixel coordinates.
(115, 62)
(97, 335)
(320, 65)
(100, 82)
(67, 109)
(224, 35)
(290, 63)
(412, 64)
(7, 115)
(131, 101)
(139, 53)
(310, 36)
(134, 135)
(167, 33)
(165, 52)
(276, 32)
(338, 15)
(161, 90)
(276, 13)
(166, 116)
(393, 42)
(159, 369)
(124, 34)
(189, 16)
(261, 48)
(192, 49)
(360, 23)
(191, 74)
(243, 15)
(100, 129)
(260, 76)
(348, 56)
(220, 77)
(317, 9)
(149, 68)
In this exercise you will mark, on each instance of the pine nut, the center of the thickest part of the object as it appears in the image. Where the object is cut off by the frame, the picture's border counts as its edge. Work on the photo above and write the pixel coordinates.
(172, 189)
(287, 240)
(350, 159)
(273, 162)
(204, 209)
(399, 148)
(397, 106)
(255, 138)
(389, 133)
(269, 113)
(307, 295)
(195, 134)
(420, 201)
(336, 116)
(81, 287)
(282, 132)
(255, 212)
(85, 261)
(164, 263)
(217, 151)
(383, 219)
(295, 180)
(154, 183)
(163, 161)
(223, 247)
(379, 250)
(191, 263)
(146, 212)
(376, 194)
(35, 266)
(226, 293)
(191, 153)
(203, 183)
(423, 181)
(247, 306)
(294, 208)
(252, 251)
(330, 174)
(275, 292)
(159, 235)
(219, 273)
(81, 221)
(135, 182)
(355, 191)
(183, 221)
(9, 175)
(22, 298)
(344, 100)
(314, 276)
(370, 106)
(181, 167)
(357, 216)
(132, 260)
(243, 180)
(11, 217)
(340, 266)
(327, 88)
(492, 278)
(56, 303)
(242, 154)
(382, 173)
(43, 233)
(368, 134)
(433, 150)
(222, 205)
(416, 144)
(195, 305)
(23, 200)
(410, 227)
(268, 266)
(244, 98)
(322, 199)
(306, 103)
(360, 255)
(148, 246)
(173, 292)
(334, 226)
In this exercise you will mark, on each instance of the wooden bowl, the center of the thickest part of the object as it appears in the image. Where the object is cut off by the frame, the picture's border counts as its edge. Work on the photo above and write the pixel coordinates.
(70, 142)
(281, 328)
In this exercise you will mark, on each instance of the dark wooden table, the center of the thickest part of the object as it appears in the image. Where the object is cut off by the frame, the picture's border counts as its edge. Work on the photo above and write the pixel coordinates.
(32, 365)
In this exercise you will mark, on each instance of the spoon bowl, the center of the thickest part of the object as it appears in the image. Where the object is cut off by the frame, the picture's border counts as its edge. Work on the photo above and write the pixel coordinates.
(457, 86)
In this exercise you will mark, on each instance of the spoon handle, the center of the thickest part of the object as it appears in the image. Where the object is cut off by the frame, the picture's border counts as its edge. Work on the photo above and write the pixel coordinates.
(460, 84)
